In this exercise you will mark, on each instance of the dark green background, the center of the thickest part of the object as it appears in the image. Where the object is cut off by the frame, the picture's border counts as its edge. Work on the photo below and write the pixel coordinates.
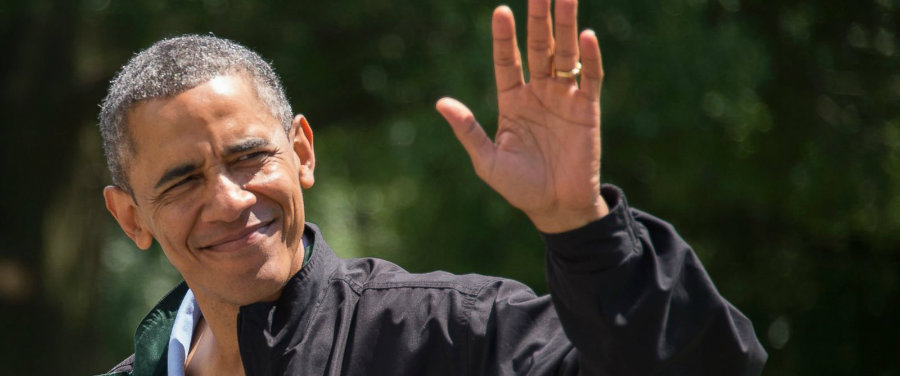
(767, 132)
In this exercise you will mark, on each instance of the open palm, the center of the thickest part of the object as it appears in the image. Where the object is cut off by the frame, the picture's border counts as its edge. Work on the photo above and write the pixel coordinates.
(545, 157)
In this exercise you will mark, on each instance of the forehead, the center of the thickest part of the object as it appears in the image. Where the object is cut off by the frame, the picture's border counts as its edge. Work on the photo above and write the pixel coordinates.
(221, 96)
(197, 124)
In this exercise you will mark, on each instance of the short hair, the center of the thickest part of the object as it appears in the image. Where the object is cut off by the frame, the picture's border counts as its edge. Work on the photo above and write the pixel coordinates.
(170, 67)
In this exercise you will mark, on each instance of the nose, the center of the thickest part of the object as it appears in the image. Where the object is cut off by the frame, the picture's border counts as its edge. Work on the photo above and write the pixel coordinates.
(228, 200)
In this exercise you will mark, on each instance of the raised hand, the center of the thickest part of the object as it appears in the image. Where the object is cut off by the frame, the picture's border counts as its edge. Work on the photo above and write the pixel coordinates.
(545, 157)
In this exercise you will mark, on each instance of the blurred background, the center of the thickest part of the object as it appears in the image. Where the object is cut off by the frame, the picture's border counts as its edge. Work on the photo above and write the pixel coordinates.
(767, 132)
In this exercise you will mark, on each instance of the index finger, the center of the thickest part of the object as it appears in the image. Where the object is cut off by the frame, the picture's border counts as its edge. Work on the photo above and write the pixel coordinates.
(507, 61)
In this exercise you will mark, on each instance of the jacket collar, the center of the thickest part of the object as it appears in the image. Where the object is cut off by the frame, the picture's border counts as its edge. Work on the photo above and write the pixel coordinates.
(151, 340)
(276, 325)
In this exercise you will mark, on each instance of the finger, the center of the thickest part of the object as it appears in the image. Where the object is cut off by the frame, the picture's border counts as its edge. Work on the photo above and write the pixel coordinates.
(507, 61)
(468, 132)
(566, 54)
(540, 39)
(592, 65)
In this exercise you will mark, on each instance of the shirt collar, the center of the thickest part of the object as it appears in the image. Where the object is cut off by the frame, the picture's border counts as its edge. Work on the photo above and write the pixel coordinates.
(186, 320)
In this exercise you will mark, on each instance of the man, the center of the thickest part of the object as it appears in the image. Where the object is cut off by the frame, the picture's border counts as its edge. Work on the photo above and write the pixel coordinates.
(207, 160)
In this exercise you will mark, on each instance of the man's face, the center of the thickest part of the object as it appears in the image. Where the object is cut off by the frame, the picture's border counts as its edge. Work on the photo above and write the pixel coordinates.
(218, 184)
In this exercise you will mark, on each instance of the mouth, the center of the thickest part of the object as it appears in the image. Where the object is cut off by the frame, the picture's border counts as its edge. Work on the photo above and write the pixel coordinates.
(241, 239)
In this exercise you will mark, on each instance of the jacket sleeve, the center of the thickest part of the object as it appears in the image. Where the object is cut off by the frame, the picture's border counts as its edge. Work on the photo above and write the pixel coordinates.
(634, 299)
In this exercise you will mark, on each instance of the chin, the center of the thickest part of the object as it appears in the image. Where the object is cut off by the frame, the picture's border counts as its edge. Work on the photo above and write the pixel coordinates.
(259, 291)
(267, 284)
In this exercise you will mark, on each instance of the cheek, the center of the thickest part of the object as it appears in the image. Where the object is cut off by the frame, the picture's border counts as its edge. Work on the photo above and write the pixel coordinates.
(279, 184)
(272, 172)
(277, 181)
(175, 224)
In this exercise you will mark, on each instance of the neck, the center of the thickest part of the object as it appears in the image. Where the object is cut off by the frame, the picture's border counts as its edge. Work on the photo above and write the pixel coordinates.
(220, 342)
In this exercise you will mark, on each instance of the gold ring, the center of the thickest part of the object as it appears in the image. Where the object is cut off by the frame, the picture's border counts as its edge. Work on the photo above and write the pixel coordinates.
(569, 74)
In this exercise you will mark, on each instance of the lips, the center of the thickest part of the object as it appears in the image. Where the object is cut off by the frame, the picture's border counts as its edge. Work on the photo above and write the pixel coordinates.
(239, 239)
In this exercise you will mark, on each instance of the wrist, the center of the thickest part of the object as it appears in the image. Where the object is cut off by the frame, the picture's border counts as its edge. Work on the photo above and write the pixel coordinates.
(562, 220)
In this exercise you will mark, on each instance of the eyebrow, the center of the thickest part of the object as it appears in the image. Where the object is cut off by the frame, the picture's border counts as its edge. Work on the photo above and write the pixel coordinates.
(246, 145)
(186, 168)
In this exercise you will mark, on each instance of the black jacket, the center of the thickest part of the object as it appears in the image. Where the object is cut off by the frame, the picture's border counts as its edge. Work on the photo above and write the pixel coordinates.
(628, 297)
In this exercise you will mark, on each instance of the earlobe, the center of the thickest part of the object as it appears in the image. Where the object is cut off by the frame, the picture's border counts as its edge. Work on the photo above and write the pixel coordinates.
(302, 141)
(123, 208)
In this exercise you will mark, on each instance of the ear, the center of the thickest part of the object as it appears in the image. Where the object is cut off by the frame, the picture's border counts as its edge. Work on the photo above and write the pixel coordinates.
(122, 206)
(302, 142)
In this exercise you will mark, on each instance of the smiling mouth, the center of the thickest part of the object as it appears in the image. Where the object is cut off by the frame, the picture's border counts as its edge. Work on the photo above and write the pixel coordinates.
(244, 238)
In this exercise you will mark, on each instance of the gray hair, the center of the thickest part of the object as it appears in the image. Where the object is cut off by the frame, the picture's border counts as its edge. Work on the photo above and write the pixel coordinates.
(170, 67)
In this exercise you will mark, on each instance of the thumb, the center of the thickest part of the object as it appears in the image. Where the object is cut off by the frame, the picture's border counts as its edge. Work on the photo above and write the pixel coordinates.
(468, 132)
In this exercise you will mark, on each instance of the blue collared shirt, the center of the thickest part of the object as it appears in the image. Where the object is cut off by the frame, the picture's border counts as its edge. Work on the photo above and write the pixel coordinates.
(182, 332)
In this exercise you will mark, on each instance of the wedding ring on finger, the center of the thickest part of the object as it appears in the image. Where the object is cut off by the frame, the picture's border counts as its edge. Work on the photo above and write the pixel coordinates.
(570, 73)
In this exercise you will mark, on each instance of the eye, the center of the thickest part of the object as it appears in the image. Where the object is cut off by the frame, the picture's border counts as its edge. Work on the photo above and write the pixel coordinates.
(181, 182)
(254, 156)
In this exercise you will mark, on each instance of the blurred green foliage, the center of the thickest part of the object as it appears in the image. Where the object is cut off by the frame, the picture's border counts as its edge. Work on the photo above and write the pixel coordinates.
(767, 132)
